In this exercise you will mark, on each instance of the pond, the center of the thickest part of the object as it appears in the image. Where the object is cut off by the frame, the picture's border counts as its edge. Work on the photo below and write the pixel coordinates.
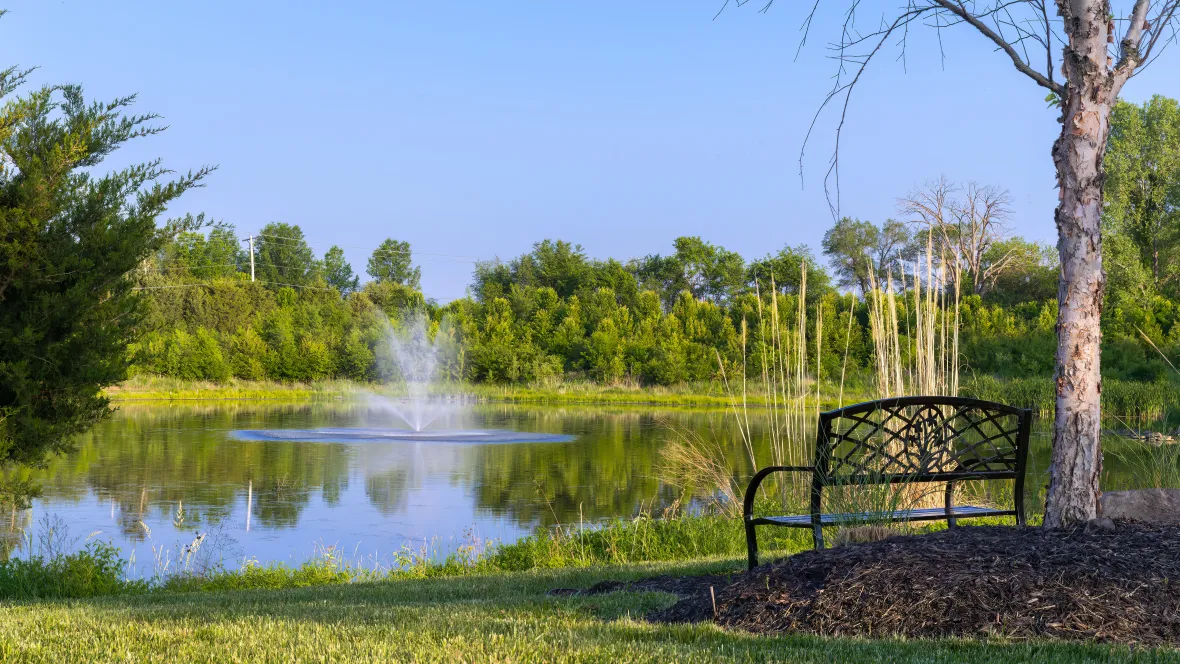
(152, 476)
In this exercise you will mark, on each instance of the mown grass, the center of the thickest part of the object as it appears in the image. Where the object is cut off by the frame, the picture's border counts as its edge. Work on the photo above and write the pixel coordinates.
(496, 617)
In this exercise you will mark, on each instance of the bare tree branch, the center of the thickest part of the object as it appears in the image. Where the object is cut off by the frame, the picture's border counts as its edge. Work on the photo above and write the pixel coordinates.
(1021, 66)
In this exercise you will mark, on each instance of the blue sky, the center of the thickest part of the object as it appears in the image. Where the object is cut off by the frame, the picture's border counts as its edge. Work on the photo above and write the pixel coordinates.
(473, 129)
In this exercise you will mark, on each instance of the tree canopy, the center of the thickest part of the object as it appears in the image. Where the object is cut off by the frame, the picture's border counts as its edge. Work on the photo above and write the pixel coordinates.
(282, 256)
(393, 262)
(338, 273)
(1143, 197)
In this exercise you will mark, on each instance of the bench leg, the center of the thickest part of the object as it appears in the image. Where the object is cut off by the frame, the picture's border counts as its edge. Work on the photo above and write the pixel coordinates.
(751, 544)
(950, 505)
(817, 535)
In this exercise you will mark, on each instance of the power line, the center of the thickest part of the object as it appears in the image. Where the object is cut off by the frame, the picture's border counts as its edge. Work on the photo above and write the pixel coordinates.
(210, 285)
(259, 281)
(378, 250)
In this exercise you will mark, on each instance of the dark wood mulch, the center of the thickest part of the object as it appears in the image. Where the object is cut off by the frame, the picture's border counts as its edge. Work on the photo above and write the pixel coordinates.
(1105, 585)
(684, 587)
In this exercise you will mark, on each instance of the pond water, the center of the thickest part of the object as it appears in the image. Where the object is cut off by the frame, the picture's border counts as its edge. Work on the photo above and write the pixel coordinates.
(153, 475)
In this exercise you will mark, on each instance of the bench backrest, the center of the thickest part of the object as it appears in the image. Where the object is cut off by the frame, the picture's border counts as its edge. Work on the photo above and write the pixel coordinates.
(921, 439)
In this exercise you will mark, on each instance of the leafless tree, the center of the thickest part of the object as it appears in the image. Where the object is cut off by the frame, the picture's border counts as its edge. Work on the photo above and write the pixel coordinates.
(965, 223)
(1083, 56)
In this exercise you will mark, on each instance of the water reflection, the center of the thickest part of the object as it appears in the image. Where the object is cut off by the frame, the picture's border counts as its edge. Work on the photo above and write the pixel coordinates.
(131, 473)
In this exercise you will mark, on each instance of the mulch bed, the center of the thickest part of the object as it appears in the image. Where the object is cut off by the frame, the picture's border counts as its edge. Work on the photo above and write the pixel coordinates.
(1114, 585)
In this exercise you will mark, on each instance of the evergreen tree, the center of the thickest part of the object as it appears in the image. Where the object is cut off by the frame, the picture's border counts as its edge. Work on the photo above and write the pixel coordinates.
(71, 239)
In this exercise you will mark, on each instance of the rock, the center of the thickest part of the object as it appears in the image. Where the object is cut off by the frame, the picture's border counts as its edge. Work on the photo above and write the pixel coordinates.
(1145, 505)
(1099, 525)
(1157, 439)
(1154, 438)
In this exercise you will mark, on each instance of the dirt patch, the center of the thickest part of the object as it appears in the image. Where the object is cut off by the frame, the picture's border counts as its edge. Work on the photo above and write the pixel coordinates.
(1105, 585)
(695, 591)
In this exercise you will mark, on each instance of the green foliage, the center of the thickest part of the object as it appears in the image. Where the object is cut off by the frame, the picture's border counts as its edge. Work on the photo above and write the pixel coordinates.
(1129, 399)
(248, 355)
(94, 571)
(1029, 275)
(786, 269)
(338, 273)
(1142, 194)
(71, 240)
(282, 257)
(705, 270)
(860, 251)
(392, 262)
(216, 255)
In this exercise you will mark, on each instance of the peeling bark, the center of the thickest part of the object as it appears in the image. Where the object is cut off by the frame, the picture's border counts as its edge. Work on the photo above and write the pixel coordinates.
(1078, 154)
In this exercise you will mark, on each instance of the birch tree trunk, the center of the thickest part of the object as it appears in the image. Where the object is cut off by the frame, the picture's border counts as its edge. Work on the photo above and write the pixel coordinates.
(1092, 81)
(1078, 154)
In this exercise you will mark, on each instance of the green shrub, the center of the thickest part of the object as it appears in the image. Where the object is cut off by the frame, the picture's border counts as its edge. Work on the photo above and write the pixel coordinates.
(207, 358)
(355, 359)
(316, 360)
(91, 572)
(248, 355)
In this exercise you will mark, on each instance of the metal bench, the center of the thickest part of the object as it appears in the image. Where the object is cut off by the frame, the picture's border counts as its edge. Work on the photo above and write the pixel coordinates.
(905, 440)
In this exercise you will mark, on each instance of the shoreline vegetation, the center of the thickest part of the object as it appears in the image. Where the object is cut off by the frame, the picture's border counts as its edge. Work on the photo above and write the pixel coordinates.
(1122, 399)
(154, 388)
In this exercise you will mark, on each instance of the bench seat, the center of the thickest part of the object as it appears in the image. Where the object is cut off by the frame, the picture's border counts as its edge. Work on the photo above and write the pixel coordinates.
(897, 441)
(926, 514)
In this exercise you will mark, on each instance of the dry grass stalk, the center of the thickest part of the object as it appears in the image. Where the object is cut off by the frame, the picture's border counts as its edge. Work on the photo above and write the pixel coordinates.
(693, 463)
(925, 361)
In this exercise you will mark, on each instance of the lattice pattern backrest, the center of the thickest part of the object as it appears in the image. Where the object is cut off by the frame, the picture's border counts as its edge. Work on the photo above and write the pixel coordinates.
(900, 437)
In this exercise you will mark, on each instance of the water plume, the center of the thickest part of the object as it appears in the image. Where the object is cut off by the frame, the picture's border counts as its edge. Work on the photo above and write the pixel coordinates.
(412, 356)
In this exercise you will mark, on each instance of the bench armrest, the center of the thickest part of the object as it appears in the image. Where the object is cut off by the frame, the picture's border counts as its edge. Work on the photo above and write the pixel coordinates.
(748, 502)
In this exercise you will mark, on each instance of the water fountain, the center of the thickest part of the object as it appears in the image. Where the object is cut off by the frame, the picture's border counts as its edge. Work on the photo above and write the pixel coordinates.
(410, 357)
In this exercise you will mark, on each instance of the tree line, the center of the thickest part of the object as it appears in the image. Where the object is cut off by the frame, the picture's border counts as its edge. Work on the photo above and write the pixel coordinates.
(556, 313)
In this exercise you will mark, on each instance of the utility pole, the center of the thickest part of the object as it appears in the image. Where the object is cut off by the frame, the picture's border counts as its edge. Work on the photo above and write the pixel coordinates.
(251, 241)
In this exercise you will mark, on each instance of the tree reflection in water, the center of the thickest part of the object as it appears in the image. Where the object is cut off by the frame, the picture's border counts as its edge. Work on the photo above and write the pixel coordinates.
(136, 467)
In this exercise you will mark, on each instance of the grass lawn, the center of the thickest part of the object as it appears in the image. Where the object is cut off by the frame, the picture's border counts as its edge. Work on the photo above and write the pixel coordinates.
(502, 618)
